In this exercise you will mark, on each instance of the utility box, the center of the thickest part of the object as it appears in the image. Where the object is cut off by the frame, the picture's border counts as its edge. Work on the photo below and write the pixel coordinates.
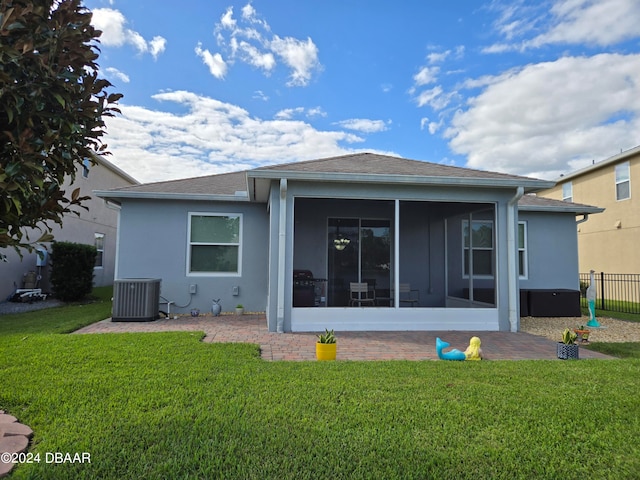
(136, 300)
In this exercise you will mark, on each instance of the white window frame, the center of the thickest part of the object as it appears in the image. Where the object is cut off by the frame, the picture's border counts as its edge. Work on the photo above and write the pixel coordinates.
(625, 180)
(238, 244)
(99, 250)
(492, 249)
(525, 250)
(569, 191)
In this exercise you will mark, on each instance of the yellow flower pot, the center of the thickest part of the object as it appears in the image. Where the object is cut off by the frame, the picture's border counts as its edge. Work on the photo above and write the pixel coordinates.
(326, 351)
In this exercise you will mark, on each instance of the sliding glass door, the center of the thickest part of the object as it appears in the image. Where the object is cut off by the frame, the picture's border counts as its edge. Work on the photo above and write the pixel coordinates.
(359, 250)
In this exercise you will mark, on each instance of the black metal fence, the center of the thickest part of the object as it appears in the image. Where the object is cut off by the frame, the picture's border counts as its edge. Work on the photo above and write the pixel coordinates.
(616, 292)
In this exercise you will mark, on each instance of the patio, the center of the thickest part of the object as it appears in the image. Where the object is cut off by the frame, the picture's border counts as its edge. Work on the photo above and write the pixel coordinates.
(252, 328)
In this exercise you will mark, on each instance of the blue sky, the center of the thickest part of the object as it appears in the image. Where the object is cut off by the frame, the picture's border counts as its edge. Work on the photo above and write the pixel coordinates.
(530, 88)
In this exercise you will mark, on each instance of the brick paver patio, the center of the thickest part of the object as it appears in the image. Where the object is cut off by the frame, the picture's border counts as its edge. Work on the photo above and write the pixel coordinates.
(351, 345)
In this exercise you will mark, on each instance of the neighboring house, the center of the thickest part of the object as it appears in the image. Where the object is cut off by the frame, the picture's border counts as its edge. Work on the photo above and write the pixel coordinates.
(97, 226)
(397, 225)
(609, 241)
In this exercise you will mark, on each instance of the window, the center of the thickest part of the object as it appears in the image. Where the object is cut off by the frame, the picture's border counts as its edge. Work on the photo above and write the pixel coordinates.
(522, 250)
(481, 247)
(567, 192)
(214, 244)
(99, 243)
(623, 187)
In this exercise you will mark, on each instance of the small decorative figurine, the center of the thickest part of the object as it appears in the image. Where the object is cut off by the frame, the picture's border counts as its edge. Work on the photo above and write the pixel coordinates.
(473, 351)
(453, 354)
(216, 308)
(591, 299)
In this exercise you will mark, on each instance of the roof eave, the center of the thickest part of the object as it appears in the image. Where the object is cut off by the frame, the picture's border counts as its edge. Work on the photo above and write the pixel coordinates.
(530, 185)
(568, 209)
(199, 197)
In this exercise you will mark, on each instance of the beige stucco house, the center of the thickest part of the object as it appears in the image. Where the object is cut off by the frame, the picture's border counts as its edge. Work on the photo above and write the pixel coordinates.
(97, 226)
(608, 242)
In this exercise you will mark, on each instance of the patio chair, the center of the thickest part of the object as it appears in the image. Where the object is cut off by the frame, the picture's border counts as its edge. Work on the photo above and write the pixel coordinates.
(412, 297)
(361, 294)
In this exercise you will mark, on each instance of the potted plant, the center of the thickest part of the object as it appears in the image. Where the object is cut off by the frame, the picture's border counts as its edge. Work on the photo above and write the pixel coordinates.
(326, 346)
(567, 348)
(583, 334)
(239, 309)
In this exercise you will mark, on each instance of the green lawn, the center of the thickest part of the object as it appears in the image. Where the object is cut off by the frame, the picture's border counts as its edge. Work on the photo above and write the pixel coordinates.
(165, 405)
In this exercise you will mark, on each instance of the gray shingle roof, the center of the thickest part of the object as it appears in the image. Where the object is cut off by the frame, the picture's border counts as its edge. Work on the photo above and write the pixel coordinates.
(536, 203)
(220, 184)
(372, 163)
(373, 167)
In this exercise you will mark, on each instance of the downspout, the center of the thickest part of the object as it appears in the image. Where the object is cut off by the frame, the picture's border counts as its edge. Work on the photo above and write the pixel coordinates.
(585, 217)
(282, 236)
(512, 259)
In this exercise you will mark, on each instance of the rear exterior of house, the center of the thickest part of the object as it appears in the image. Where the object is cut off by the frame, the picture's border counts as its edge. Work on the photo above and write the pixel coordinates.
(437, 247)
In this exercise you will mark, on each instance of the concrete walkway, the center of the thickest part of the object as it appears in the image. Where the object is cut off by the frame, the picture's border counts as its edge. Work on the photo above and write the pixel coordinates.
(351, 345)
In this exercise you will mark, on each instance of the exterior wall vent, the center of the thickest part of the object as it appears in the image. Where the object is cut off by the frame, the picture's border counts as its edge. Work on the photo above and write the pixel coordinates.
(136, 300)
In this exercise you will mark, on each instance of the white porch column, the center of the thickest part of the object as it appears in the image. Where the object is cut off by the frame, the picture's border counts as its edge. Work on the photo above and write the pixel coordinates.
(396, 256)
(512, 259)
(282, 249)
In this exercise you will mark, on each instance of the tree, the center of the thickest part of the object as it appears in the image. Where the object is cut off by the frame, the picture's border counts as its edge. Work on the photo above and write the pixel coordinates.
(52, 105)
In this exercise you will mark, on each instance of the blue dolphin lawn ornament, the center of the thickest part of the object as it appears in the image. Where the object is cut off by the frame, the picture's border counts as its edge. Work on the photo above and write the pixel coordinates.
(453, 354)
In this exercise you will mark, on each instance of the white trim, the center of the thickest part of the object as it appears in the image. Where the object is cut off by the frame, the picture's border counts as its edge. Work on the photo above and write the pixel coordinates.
(314, 319)
(525, 275)
(238, 273)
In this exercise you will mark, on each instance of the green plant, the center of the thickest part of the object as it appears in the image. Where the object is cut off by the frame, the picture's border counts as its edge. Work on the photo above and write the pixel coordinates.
(239, 305)
(327, 337)
(569, 337)
(72, 270)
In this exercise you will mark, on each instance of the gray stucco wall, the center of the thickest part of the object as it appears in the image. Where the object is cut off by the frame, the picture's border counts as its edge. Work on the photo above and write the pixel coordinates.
(153, 244)
(552, 251)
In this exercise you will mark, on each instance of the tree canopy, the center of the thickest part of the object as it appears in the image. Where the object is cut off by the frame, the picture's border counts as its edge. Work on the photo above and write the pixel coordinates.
(52, 104)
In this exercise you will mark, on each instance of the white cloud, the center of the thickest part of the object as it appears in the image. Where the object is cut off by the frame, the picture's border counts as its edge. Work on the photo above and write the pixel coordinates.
(216, 64)
(260, 95)
(157, 46)
(426, 75)
(300, 56)
(113, 23)
(115, 73)
(536, 119)
(435, 98)
(567, 22)
(289, 113)
(212, 137)
(227, 21)
(255, 57)
(250, 40)
(363, 125)
(316, 112)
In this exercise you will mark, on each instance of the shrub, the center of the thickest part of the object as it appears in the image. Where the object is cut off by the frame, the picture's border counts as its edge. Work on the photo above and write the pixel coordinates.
(72, 270)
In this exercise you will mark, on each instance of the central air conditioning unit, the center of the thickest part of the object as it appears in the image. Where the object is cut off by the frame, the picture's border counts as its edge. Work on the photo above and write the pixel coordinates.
(136, 300)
